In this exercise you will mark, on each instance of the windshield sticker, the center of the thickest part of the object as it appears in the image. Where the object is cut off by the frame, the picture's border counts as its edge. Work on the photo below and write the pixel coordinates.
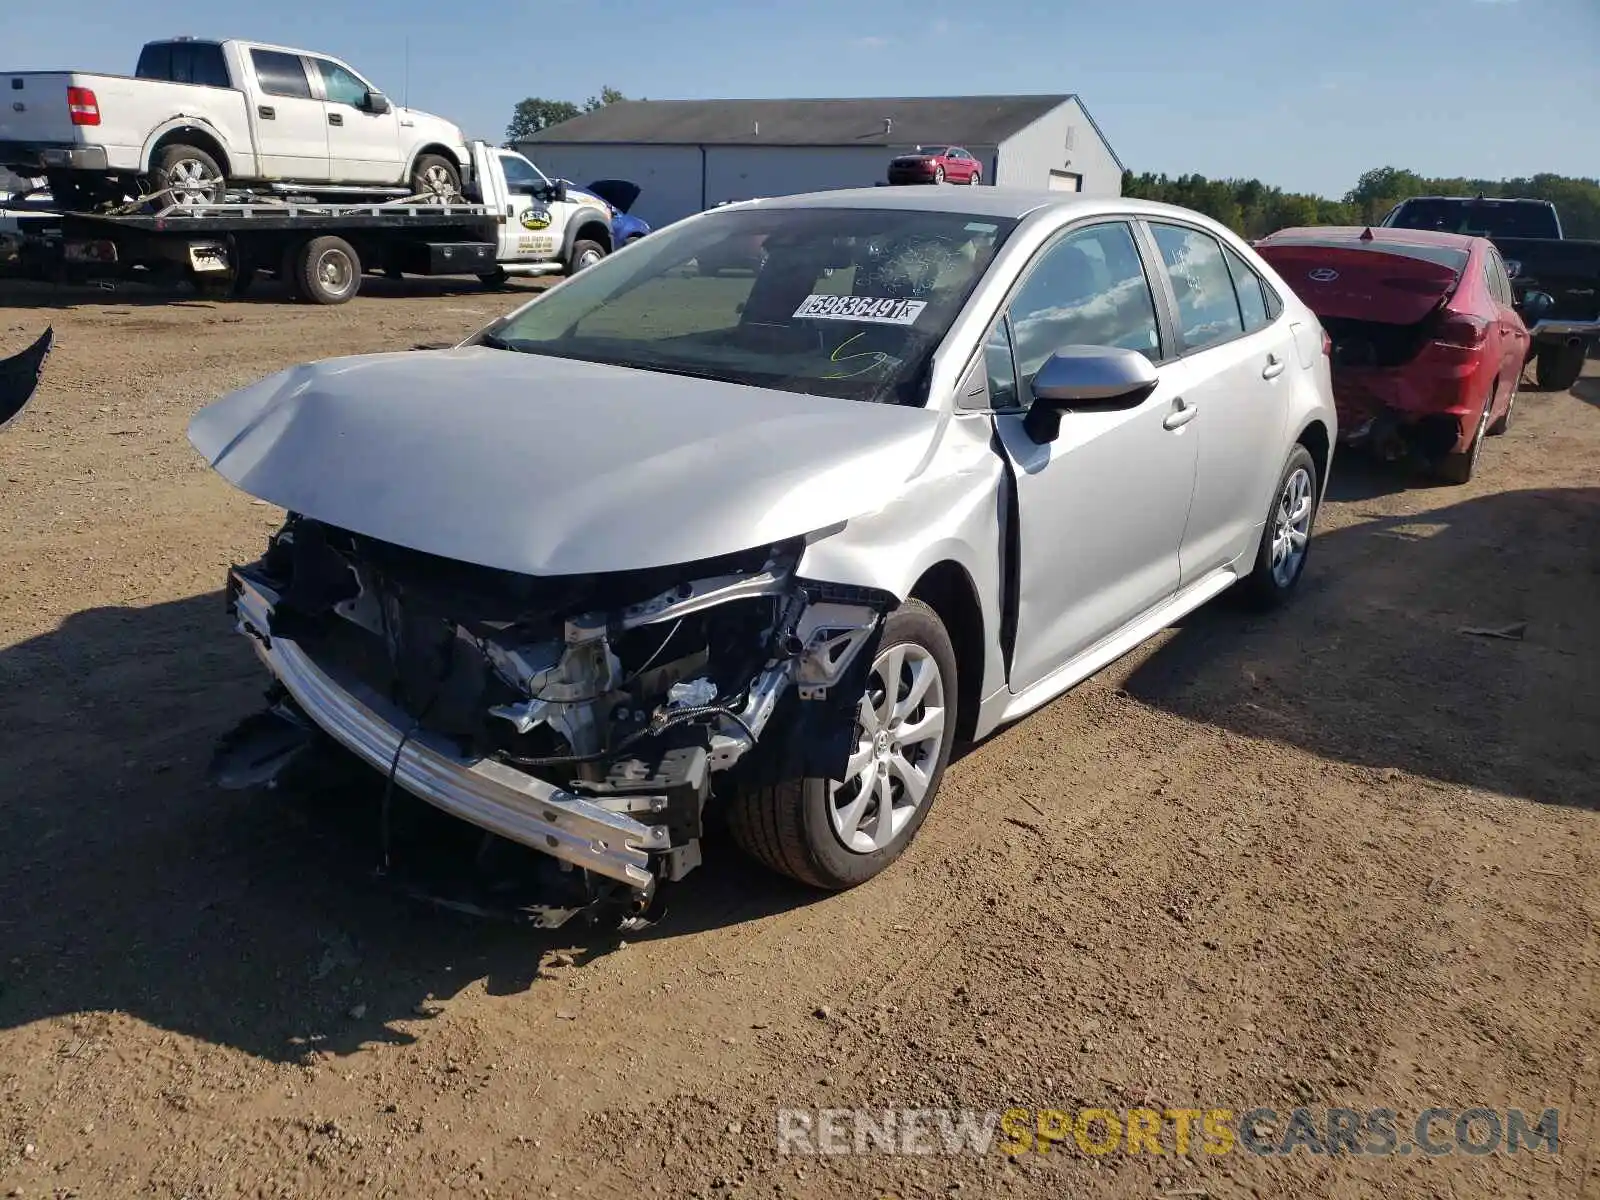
(869, 309)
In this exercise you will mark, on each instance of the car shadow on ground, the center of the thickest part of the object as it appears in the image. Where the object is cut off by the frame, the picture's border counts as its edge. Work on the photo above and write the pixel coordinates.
(1587, 389)
(1465, 650)
(252, 919)
(35, 294)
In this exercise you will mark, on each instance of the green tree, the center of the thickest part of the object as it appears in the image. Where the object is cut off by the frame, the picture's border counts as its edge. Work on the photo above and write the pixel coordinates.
(536, 113)
(608, 95)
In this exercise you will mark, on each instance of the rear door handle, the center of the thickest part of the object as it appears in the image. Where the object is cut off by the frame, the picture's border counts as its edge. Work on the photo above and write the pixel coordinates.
(335, 118)
(1180, 415)
(1274, 367)
(266, 112)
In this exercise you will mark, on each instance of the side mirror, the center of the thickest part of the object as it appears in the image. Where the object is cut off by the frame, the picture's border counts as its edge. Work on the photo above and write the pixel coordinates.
(558, 191)
(1536, 304)
(1086, 379)
(377, 102)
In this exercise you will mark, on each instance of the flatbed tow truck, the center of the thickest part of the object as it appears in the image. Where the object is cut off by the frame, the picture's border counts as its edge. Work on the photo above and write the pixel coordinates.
(513, 220)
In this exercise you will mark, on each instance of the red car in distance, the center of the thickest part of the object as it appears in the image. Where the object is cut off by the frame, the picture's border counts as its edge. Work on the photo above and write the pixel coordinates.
(936, 164)
(1427, 343)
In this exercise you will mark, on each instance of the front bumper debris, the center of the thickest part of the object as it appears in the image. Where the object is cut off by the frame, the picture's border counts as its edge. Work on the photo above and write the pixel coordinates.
(486, 793)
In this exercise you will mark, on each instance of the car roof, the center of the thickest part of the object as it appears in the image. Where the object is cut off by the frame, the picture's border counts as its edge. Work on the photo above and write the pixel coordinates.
(984, 201)
(1392, 235)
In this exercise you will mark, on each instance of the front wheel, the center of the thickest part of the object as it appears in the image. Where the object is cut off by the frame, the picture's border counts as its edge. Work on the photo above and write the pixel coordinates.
(584, 254)
(836, 834)
(1286, 539)
(938, 174)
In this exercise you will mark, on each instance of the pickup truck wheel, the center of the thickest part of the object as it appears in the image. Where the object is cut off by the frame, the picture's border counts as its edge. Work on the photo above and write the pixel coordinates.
(1558, 367)
(328, 271)
(836, 835)
(584, 254)
(493, 279)
(434, 175)
(1286, 539)
(192, 176)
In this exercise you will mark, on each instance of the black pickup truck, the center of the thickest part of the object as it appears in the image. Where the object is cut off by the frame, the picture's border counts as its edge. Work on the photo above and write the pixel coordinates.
(1539, 259)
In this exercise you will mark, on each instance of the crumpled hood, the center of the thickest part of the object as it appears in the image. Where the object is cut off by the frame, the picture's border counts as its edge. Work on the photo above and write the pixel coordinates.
(551, 466)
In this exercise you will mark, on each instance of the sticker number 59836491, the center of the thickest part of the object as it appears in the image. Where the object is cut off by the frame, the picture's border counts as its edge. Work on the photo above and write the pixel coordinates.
(871, 309)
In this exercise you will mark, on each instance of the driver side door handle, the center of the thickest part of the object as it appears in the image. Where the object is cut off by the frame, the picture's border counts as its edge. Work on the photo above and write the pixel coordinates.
(1274, 367)
(1180, 415)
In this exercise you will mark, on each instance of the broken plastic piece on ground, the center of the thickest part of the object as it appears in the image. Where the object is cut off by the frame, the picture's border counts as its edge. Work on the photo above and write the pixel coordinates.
(20, 374)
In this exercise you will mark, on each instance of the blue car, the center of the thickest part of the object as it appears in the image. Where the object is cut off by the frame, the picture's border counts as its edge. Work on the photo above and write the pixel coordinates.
(620, 196)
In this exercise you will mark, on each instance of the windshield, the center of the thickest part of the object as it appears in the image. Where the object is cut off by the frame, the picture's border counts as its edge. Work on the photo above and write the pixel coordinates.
(844, 302)
(1480, 218)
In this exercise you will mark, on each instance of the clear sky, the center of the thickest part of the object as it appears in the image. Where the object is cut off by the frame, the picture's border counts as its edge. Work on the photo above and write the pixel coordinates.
(1305, 94)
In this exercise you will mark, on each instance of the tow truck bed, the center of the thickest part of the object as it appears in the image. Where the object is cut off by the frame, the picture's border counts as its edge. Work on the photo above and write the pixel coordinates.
(322, 249)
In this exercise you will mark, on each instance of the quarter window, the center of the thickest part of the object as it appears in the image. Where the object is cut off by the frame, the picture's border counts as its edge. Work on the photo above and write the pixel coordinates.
(1208, 309)
(281, 74)
(1000, 368)
(1089, 289)
(1251, 292)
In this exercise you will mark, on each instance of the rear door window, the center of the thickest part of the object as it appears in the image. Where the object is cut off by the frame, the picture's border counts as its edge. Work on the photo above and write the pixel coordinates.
(281, 74)
(1208, 308)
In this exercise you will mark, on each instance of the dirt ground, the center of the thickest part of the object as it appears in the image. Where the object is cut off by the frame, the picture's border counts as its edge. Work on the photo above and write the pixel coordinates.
(1347, 855)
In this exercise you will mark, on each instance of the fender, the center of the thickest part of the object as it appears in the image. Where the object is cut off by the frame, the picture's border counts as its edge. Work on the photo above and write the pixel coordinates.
(891, 549)
(582, 212)
(232, 163)
(461, 155)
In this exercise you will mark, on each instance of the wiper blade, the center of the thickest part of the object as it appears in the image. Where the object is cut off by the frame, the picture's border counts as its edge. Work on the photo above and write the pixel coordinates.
(667, 369)
(496, 343)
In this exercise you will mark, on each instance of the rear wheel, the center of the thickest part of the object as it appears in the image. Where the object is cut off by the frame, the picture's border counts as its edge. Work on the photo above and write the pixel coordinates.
(436, 176)
(1503, 422)
(833, 834)
(493, 279)
(1557, 367)
(328, 271)
(190, 176)
(1460, 466)
(1286, 539)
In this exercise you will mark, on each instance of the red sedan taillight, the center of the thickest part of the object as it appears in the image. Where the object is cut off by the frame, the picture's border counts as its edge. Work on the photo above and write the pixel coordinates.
(1461, 331)
(83, 106)
(1327, 345)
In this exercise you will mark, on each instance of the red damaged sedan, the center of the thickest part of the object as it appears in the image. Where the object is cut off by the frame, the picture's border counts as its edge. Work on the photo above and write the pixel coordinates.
(1427, 343)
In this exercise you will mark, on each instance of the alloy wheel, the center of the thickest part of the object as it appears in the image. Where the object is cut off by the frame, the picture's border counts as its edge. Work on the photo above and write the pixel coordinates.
(899, 732)
(1291, 527)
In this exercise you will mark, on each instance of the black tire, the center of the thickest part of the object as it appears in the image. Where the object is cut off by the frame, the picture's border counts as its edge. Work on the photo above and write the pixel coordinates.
(1557, 368)
(1503, 421)
(178, 164)
(786, 826)
(327, 270)
(1460, 466)
(494, 279)
(583, 249)
(1263, 588)
(436, 174)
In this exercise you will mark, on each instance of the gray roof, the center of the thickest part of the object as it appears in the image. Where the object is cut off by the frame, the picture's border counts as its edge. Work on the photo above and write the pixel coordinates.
(868, 121)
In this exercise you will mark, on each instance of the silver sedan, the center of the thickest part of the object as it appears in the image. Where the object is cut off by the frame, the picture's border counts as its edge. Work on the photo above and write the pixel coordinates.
(768, 539)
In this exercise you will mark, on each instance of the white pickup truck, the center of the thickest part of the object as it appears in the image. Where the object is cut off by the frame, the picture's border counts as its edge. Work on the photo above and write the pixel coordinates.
(198, 118)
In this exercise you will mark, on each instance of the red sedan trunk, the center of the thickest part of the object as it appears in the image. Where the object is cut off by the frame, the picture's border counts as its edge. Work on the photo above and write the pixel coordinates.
(1426, 339)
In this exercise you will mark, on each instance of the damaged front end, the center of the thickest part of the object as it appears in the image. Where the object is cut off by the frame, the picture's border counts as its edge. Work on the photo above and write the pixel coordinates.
(586, 717)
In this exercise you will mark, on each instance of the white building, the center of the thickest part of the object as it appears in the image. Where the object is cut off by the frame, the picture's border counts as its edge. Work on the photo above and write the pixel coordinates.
(690, 155)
